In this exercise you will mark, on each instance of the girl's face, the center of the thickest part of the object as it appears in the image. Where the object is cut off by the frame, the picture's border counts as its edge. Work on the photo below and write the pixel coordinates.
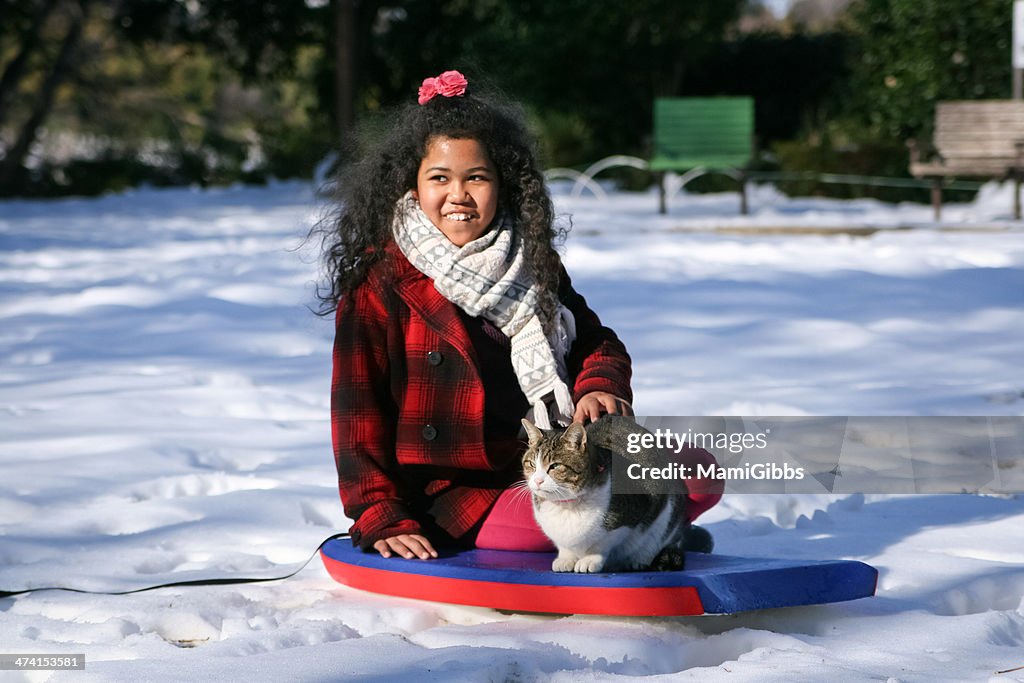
(457, 187)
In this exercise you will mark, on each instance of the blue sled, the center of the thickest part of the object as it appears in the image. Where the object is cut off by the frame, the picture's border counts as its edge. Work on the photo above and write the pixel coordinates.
(524, 582)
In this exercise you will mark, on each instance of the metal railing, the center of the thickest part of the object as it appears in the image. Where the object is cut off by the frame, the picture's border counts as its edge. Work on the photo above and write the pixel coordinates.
(585, 179)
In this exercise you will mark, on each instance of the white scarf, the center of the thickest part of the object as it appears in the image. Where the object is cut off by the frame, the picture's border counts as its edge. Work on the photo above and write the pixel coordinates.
(488, 277)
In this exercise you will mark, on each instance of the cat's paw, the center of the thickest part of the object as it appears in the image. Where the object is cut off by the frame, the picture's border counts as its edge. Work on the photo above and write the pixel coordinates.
(669, 559)
(563, 564)
(589, 564)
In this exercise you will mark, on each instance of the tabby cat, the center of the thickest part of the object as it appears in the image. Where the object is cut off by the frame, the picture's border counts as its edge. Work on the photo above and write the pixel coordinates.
(569, 474)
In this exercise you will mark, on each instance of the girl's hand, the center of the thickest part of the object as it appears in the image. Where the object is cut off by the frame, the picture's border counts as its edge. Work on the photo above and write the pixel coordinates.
(406, 545)
(597, 403)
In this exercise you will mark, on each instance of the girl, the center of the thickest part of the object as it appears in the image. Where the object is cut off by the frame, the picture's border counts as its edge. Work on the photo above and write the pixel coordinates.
(454, 319)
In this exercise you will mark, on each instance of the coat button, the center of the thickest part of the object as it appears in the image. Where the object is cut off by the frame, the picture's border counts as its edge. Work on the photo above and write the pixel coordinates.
(430, 432)
(435, 358)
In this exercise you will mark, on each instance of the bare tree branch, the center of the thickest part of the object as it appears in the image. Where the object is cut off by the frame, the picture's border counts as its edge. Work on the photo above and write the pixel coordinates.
(15, 69)
(62, 68)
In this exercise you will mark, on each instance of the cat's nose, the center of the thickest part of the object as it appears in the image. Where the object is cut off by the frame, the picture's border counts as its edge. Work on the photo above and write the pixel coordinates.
(538, 479)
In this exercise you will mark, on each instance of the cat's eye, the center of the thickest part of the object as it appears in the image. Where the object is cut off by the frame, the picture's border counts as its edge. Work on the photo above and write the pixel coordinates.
(555, 465)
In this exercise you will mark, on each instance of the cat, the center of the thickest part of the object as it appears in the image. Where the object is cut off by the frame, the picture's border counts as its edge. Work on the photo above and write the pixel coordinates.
(569, 476)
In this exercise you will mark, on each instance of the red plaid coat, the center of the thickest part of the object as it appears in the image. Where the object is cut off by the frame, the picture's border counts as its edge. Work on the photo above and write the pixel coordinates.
(407, 405)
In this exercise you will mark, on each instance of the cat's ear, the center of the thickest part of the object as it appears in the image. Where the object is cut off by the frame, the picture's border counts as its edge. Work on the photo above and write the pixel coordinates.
(534, 434)
(575, 436)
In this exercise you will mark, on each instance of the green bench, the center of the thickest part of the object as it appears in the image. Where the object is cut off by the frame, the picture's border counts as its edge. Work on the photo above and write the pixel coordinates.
(710, 133)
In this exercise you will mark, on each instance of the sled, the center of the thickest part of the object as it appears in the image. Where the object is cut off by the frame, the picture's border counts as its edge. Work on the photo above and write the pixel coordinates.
(524, 582)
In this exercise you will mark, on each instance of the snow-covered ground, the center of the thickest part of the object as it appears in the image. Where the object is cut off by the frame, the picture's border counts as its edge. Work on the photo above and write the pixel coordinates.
(164, 416)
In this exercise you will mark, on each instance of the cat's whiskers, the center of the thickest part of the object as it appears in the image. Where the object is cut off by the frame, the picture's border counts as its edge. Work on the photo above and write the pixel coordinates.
(564, 494)
(520, 492)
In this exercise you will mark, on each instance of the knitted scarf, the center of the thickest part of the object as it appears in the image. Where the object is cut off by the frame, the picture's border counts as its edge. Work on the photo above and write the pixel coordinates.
(488, 277)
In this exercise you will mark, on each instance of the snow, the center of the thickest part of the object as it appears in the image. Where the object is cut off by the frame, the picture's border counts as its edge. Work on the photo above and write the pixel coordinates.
(164, 416)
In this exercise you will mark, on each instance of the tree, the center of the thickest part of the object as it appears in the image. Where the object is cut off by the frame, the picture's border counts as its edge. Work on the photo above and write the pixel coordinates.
(200, 91)
(54, 72)
(590, 70)
(914, 54)
(217, 90)
(26, 29)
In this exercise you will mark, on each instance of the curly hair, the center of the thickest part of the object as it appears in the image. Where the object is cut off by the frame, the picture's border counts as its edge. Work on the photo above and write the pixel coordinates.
(367, 191)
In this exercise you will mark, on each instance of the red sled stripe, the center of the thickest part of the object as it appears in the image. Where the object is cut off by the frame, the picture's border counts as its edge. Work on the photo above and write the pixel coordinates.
(647, 602)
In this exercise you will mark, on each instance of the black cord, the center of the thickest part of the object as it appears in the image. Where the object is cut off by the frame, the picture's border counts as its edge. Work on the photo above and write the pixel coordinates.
(193, 582)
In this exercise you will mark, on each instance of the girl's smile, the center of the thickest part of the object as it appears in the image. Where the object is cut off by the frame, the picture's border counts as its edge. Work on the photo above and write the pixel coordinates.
(457, 188)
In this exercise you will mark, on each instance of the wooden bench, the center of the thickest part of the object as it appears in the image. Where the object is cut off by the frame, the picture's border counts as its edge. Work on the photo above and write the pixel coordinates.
(714, 133)
(981, 138)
